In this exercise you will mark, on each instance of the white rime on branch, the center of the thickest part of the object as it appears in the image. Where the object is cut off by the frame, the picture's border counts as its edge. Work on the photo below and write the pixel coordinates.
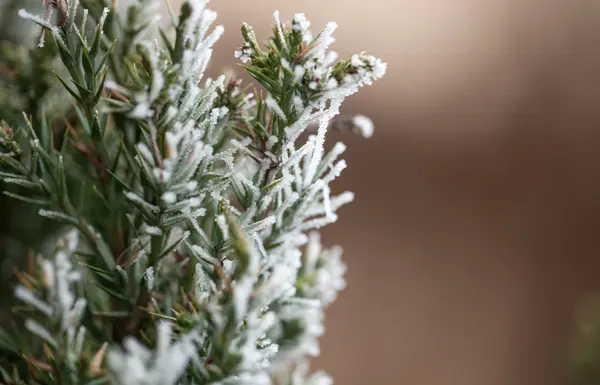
(193, 205)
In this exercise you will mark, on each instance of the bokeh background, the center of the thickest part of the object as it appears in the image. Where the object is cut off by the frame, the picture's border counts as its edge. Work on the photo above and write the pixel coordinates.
(476, 227)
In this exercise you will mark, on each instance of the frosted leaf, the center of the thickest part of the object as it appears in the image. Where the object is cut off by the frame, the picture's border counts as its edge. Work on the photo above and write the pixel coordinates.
(43, 22)
(49, 276)
(271, 142)
(37, 329)
(203, 254)
(153, 230)
(163, 337)
(327, 202)
(332, 84)
(222, 223)
(242, 290)
(21, 182)
(73, 317)
(285, 64)
(202, 285)
(137, 365)
(149, 276)
(261, 225)
(318, 223)
(272, 104)
(25, 295)
(72, 13)
(364, 125)
(300, 23)
(323, 40)
(313, 249)
(141, 111)
(103, 17)
(279, 29)
(299, 72)
(146, 153)
(317, 155)
(137, 199)
(72, 240)
(279, 283)
(228, 267)
(356, 61)
(335, 171)
(330, 58)
(336, 203)
(79, 340)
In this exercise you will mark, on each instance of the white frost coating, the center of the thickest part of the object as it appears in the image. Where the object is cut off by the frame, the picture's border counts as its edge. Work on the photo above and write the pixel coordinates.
(242, 290)
(336, 171)
(330, 58)
(300, 23)
(261, 225)
(146, 153)
(162, 176)
(137, 199)
(202, 253)
(327, 202)
(40, 331)
(271, 142)
(364, 125)
(149, 276)
(272, 104)
(222, 223)
(60, 305)
(317, 155)
(49, 276)
(72, 13)
(279, 29)
(72, 240)
(103, 17)
(25, 295)
(202, 285)
(20, 182)
(324, 40)
(313, 249)
(299, 72)
(342, 199)
(285, 64)
(137, 365)
(153, 230)
(44, 23)
(318, 223)
(65, 298)
(142, 110)
(328, 276)
(56, 215)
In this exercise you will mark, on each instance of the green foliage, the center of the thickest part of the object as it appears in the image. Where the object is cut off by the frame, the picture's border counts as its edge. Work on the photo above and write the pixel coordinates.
(185, 202)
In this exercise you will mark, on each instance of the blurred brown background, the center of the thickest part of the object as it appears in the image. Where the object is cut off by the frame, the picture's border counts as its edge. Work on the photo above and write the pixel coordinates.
(475, 229)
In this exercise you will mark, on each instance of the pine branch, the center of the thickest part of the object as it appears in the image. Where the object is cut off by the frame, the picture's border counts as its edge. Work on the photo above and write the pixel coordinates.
(196, 206)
